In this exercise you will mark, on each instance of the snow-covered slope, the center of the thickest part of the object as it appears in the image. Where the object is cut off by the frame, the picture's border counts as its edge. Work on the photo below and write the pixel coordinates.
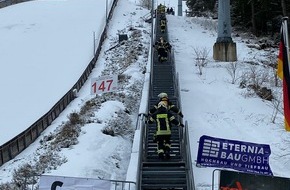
(211, 104)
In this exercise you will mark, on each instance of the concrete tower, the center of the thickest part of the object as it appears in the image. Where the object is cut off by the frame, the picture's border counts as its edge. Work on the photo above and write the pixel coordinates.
(224, 49)
(179, 8)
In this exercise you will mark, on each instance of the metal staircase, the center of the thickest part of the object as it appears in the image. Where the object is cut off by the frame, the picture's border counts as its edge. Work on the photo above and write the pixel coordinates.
(166, 174)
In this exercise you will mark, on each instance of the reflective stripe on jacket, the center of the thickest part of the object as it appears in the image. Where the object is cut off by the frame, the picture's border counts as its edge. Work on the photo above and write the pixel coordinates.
(170, 107)
(163, 122)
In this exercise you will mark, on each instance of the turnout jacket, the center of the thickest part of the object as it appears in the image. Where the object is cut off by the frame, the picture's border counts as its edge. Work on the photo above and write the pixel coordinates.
(164, 121)
(170, 107)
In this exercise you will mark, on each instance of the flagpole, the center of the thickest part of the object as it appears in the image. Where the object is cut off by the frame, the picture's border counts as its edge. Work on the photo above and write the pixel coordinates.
(283, 61)
(285, 35)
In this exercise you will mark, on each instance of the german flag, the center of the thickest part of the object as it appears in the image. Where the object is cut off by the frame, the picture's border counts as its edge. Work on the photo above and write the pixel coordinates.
(283, 72)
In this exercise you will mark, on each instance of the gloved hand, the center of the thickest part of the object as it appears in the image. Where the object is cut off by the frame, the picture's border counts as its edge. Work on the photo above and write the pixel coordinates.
(181, 125)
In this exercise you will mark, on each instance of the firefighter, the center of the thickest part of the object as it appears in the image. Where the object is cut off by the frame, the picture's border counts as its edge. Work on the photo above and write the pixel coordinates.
(162, 26)
(164, 120)
(162, 47)
(161, 9)
(167, 46)
(171, 11)
(163, 97)
(163, 17)
(163, 23)
(162, 54)
(168, 10)
(164, 43)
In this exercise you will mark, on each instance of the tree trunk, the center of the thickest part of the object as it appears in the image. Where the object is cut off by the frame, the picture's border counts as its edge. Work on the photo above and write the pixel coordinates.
(254, 30)
(283, 5)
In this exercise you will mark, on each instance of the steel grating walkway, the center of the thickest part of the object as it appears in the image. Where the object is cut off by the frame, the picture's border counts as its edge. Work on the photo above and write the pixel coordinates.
(167, 174)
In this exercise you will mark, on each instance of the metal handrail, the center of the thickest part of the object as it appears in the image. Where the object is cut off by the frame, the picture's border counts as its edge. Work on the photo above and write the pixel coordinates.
(141, 148)
(115, 184)
(190, 175)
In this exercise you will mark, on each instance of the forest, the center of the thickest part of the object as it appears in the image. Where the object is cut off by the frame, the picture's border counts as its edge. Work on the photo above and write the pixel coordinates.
(261, 17)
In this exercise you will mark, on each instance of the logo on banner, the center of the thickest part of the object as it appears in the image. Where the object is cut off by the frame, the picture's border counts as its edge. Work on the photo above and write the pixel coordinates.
(238, 155)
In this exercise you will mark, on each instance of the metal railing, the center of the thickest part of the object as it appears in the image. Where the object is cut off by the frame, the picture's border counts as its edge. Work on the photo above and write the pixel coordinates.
(30, 183)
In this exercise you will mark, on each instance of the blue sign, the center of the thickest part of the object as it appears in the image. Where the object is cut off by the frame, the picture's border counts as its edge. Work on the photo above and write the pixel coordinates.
(238, 155)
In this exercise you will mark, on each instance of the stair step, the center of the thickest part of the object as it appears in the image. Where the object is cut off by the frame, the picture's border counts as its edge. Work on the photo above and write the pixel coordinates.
(164, 187)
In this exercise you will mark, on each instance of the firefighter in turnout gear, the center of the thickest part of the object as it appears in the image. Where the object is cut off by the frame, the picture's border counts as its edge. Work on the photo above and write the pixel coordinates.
(162, 47)
(162, 54)
(163, 22)
(162, 42)
(162, 26)
(164, 120)
(163, 18)
(161, 9)
(163, 97)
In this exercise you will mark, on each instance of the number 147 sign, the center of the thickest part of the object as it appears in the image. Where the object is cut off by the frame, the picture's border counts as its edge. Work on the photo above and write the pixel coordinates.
(104, 84)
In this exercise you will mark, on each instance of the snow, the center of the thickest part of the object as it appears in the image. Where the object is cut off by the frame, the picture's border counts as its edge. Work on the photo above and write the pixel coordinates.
(43, 45)
(49, 45)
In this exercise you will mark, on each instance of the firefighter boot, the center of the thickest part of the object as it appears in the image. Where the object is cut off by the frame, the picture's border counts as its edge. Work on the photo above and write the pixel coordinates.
(167, 152)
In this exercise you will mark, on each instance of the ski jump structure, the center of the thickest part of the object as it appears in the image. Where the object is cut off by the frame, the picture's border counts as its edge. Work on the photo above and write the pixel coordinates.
(166, 174)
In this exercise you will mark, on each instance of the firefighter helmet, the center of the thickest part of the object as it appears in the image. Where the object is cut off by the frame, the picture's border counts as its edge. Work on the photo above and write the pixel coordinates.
(162, 95)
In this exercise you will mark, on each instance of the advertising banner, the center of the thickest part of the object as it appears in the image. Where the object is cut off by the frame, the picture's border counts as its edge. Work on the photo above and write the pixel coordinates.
(238, 155)
(230, 180)
(72, 183)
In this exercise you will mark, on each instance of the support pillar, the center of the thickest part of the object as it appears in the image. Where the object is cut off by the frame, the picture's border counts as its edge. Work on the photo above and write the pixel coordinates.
(179, 8)
(224, 49)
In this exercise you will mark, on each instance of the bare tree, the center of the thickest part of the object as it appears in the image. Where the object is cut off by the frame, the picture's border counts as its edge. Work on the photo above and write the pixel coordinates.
(232, 70)
(271, 65)
(256, 80)
(254, 27)
(146, 3)
(276, 103)
(201, 56)
(257, 77)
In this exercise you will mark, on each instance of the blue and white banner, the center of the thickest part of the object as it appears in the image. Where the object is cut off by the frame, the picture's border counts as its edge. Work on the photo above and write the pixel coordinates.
(238, 155)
